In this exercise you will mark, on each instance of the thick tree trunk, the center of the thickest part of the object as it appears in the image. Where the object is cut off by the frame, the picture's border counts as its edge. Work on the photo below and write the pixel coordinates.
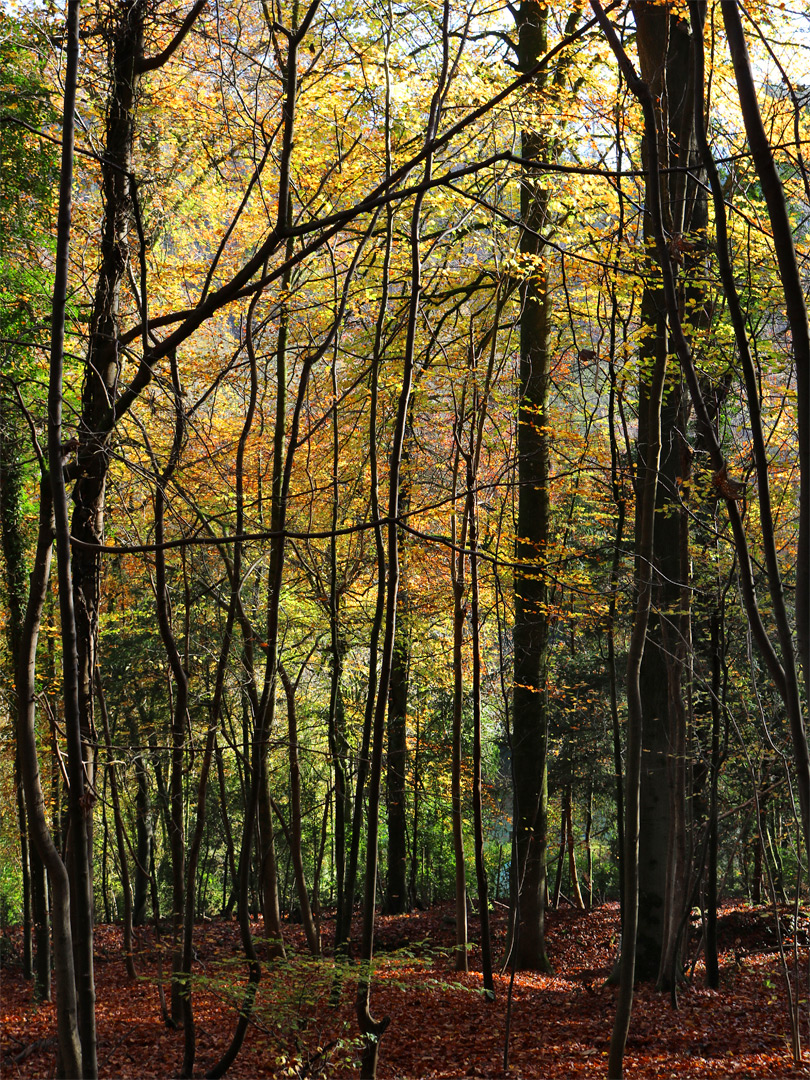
(531, 626)
(103, 364)
(664, 45)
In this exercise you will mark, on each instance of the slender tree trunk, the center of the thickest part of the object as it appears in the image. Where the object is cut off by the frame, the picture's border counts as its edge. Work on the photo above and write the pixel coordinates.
(129, 957)
(70, 1053)
(478, 812)
(294, 836)
(646, 497)
(712, 959)
(568, 818)
(227, 904)
(36, 929)
(372, 1029)
(589, 849)
(80, 794)
(144, 839)
(459, 615)
(181, 989)
(417, 781)
(343, 928)
(796, 310)
(25, 868)
(396, 894)
(457, 571)
(337, 719)
(268, 867)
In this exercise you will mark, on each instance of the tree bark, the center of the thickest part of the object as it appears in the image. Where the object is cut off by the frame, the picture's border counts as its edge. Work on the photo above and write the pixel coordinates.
(396, 893)
(103, 365)
(36, 928)
(294, 835)
(70, 1052)
(80, 792)
(664, 45)
(126, 888)
(531, 626)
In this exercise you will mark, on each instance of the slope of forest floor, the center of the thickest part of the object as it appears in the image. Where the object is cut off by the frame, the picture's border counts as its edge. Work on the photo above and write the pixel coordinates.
(441, 1026)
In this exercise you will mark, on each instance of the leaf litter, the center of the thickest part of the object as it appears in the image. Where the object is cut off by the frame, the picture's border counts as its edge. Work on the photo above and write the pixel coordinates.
(441, 1026)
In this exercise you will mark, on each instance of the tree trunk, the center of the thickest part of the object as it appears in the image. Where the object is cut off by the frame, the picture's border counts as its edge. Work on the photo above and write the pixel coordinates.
(36, 929)
(294, 836)
(371, 1029)
(568, 818)
(144, 841)
(478, 811)
(589, 849)
(456, 796)
(664, 45)
(70, 1052)
(268, 867)
(103, 366)
(180, 996)
(337, 718)
(530, 634)
(796, 310)
(396, 893)
(129, 958)
(80, 793)
(712, 957)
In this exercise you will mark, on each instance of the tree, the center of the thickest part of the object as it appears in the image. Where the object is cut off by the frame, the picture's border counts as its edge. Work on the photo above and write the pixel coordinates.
(29, 169)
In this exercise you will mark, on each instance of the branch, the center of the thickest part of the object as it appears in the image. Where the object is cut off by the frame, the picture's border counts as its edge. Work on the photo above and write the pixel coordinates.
(142, 64)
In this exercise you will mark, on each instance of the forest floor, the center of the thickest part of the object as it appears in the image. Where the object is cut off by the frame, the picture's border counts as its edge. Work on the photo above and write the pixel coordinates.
(441, 1026)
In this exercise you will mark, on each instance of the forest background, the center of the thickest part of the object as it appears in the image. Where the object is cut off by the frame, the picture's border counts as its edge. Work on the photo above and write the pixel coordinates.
(415, 397)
